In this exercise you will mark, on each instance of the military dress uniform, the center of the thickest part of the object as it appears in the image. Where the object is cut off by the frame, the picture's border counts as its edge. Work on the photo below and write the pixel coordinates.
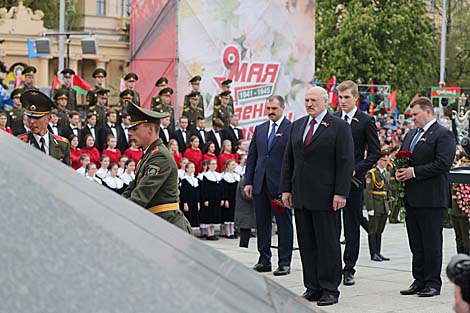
(161, 83)
(192, 113)
(396, 203)
(223, 112)
(155, 186)
(15, 115)
(38, 105)
(69, 91)
(196, 80)
(159, 106)
(100, 110)
(226, 84)
(91, 96)
(28, 71)
(377, 205)
(132, 77)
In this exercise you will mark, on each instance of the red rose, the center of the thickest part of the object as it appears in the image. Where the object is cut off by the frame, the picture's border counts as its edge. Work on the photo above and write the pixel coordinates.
(403, 154)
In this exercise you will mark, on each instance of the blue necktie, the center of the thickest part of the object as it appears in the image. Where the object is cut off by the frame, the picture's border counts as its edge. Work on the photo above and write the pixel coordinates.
(272, 135)
(415, 139)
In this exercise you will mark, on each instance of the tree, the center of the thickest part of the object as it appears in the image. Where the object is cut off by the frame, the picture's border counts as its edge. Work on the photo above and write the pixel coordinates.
(389, 41)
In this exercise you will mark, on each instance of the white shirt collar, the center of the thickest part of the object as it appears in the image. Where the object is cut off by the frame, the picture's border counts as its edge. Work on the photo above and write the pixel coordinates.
(350, 114)
(426, 127)
(278, 122)
(46, 141)
(319, 118)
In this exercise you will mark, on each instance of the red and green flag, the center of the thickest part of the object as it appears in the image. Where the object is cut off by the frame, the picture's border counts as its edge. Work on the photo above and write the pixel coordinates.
(393, 101)
(80, 85)
(371, 98)
(55, 84)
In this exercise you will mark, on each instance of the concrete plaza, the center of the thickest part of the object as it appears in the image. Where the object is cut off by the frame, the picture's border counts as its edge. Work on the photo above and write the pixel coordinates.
(377, 283)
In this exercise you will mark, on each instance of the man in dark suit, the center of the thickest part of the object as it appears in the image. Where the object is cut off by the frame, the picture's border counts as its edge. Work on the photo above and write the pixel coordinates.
(262, 176)
(365, 137)
(200, 131)
(90, 128)
(316, 178)
(233, 133)
(123, 132)
(73, 127)
(427, 195)
(164, 133)
(108, 129)
(182, 134)
(216, 135)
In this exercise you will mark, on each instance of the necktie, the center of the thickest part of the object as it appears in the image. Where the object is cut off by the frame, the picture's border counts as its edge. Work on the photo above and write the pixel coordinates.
(309, 133)
(415, 139)
(43, 144)
(346, 118)
(272, 135)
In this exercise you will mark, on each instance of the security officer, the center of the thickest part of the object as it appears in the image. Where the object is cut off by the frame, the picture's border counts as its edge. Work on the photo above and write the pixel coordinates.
(377, 205)
(60, 97)
(225, 87)
(29, 74)
(38, 107)
(164, 105)
(67, 76)
(193, 111)
(130, 80)
(155, 186)
(99, 75)
(16, 113)
(161, 84)
(100, 109)
(195, 85)
(223, 111)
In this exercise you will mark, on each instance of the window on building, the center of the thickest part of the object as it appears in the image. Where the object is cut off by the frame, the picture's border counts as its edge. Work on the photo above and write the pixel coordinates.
(126, 8)
(100, 7)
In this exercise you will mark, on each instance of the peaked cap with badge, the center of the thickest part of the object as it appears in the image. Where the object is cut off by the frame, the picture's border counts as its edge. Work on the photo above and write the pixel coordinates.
(29, 70)
(226, 83)
(60, 94)
(166, 92)
(162, 82)
(140, 115)
(99, 72)
(195, 80)
(126, 94)
(16, 93)
(36, 103)
(67, 73)
(131, 77)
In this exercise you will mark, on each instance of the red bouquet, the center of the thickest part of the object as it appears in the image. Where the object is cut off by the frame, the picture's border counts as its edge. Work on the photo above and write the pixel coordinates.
(463, 198)
(402, 160)
(278, 205)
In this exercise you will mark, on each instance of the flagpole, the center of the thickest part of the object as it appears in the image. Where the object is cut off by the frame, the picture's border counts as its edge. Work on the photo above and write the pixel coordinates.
(61, 38)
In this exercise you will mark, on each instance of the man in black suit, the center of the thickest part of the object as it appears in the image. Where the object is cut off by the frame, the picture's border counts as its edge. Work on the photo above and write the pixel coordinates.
(316, 178)
(90, 128)
(200, 131)
(53, 127)
(427, 195)
(262, 176)
(365, 137)
(108, 129)
(73, 127)
(182, 134)
(216, 135)
(164, 133)
(233, 133)
(123, 132)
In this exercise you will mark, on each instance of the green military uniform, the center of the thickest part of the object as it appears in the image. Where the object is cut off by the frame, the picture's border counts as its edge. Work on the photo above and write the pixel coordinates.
(192, 113)
(63, 116)
(397, 202)
(38, 105)
(155, 186)
(157, 105)
(15, 114)
(377, 205)
(71, 96)
(91, 96)
(132, 77)
(221, 111)
(196, 80)
(100, 110)
(225, 84)
(28, 71)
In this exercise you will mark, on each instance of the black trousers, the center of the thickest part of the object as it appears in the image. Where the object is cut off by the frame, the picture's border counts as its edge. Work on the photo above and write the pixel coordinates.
(424, 228)
(264, 216)
(351, 220)
(320, 252)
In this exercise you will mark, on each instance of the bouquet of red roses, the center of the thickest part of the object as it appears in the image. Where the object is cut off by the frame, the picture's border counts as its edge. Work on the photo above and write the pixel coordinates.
(463, 198)
(402, 160)
(278, 204)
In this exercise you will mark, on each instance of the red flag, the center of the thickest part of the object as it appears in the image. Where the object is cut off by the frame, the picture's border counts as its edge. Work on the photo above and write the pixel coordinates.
(408, 109)
(80, 85)
(393, 101)
(331, 83)
(55, 84)
(371, 98)
(331, 89)
(18, 81)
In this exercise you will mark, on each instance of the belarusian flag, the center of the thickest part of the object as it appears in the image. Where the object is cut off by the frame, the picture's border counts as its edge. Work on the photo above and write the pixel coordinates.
(408, 108)
(371, 98)
(393, 101)
(80, 85)
(55, 84)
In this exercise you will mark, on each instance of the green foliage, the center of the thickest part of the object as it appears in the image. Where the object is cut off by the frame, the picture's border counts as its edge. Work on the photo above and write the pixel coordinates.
(51, 11)
(389, 41)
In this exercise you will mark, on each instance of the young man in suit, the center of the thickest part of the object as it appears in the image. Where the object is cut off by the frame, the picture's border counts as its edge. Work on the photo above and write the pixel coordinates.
(123, 132)
(216, 135)
(182, 134)
(200, 131)
(365, 137)
(427, 195)
(164, 133)
(90, 128)
(74, 126)
(108, 129)
(233, 133)
(262, 176)
(316, 178)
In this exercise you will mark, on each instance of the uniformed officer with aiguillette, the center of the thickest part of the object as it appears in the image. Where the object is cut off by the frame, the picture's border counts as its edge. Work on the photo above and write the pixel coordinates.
(164, 106)
(223, 111)
(91, 97)
(225, 87)
(193, 111)
(195, 87)
(29, 74)
(38, 107)
(61, 99)
(67, 76)
(155, 186)
(130, 80)
(16, 113)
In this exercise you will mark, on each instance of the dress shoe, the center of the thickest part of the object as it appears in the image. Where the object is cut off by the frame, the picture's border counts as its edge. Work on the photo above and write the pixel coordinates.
(212, 238)
(312, 296)
(428, 292)
(262, 268)
(343, 242)
(376, 258)
(282, 270)
(383, 258)
(327, 300)
(348, 279)
(411, 291)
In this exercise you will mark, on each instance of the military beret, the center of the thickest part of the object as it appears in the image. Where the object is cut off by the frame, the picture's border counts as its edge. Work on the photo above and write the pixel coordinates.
(226, 83)
(29, 70)
(225, 93)
(140, 115)
(162, 82)
(102, 92)
(16, 93)
(194, 94)
(126, 94)
(60, 94)
(131, 77)
(195, 80)
(99, 72)
(67, 72)
(36, 103)
(166, 92)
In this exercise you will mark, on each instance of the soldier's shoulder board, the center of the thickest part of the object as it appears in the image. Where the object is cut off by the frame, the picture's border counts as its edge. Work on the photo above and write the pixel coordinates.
(60, 138)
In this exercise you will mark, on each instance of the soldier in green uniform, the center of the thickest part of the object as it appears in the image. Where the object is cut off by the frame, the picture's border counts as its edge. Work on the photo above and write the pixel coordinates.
(223, 111)
(67, 76)
(60, 98)
(193, 112)
(130, 80)
(100, 109)
(29, 74)
(38, 107)
(225, 87)
(458, 216)
(99, 75)
(195, 85)
(16, 113)
(161, 84)
(398, 202)
(164, 105)
(156, 178)
(377, 205)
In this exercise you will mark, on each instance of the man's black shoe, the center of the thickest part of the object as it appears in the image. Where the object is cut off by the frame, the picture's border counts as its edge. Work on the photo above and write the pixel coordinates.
(383, 258)
(376, 258)
(312, 296)
(428, 292)
(282, 270)
(262, 268)
(327, 300)
(343, 242)
(348, 279)
(412, 290)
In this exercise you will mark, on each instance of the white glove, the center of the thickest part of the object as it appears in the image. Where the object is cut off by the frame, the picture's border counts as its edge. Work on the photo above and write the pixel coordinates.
(370, 213)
